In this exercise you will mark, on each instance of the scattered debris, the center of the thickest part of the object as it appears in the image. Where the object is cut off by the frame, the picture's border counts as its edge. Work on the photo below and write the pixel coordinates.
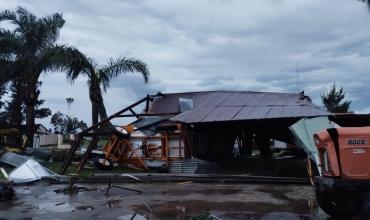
(6, 192)
(30, 171)
(303, 132)
(131, 176)
(43, 154)
(119, 187)
(73, 190)
(186, 182)
(13, 159)
(27, 170)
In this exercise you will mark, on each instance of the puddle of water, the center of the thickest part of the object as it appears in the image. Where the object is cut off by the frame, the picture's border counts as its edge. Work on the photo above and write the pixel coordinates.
(25, 190)
(220, 191)
(56, 207)
(268, 216)
(113, 203)
(135, 216)
(229, 210)
(85, 208)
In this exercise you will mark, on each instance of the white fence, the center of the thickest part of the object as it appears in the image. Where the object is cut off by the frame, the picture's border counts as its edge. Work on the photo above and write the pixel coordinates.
(45, 140)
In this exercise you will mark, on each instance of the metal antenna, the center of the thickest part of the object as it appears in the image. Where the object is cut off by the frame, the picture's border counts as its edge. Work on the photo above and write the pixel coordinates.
(297, 78)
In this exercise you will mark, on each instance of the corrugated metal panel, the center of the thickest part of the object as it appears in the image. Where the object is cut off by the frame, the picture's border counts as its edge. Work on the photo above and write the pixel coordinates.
(237, 105)
(195, 115)
(238, 99)
(169, 103)
(303, 131)
(222, 114)
(252, 112)
(165, 105)
(214, 99)
(261, 99)
(248, 113)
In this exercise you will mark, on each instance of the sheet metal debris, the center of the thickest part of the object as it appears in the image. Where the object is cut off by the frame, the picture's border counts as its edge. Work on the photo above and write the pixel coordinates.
(185, 104)
(303, 131)
(13, 159)
(27, 169)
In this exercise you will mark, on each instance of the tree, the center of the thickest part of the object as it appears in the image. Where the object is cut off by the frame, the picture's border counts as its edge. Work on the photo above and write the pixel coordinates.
(14, 109)
(334, 102)
(66, 124)
(30, 49)
(14, 112)
(3, 121)
(69, 103)
(99, 78)
(2, 93)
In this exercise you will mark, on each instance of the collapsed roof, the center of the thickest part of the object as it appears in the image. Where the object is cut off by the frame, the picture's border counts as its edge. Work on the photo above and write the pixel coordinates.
(218, 106)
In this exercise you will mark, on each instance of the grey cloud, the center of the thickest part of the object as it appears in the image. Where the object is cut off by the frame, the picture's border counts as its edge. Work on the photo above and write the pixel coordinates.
(215, 44)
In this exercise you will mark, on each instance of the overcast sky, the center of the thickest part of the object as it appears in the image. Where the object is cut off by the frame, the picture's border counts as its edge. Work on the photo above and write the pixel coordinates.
(198, 45)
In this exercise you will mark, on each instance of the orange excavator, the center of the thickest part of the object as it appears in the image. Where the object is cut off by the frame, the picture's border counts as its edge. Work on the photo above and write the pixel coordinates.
(343, 188)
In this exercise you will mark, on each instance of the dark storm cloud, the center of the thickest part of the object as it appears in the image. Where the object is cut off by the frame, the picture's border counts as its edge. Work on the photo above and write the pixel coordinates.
(215, 44)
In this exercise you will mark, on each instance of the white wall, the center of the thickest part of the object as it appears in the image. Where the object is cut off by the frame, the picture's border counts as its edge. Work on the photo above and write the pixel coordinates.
(45, 139)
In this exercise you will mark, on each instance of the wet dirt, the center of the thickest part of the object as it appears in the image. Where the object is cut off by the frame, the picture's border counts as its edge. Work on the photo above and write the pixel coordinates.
(165, 201)
(220, 191)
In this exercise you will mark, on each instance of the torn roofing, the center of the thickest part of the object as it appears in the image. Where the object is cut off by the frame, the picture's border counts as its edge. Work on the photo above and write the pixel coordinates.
(214, 106)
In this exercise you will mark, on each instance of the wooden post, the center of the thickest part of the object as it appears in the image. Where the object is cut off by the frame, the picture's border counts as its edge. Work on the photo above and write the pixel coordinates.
(69, 157)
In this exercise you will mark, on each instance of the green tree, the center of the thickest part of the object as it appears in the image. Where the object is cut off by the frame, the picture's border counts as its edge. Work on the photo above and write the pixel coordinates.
(334, 101)
(28, 50)
(3, 119)
(3, 91)
(99, 78)
(15, 109)
(66, 124)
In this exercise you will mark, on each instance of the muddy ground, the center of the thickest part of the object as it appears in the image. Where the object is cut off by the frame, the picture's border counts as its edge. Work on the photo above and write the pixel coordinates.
(164, 201)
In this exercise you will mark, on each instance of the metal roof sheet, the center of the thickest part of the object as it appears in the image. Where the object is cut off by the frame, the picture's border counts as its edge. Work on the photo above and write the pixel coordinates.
(222, 114)
(252, 112)
(237, 105)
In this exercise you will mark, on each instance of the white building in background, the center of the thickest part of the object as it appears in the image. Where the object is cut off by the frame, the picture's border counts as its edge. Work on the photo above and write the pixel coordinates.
(43, 138)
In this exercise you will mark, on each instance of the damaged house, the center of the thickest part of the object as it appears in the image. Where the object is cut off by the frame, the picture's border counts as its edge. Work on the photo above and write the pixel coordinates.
(213, 121)
(206, 125)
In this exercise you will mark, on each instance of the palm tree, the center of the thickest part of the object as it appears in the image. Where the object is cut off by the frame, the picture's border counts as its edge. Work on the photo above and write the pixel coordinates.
(99, 78)
(69, 100)
(30, 49)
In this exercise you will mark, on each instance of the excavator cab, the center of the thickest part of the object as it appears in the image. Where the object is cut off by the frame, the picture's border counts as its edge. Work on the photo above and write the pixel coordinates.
(344, 158)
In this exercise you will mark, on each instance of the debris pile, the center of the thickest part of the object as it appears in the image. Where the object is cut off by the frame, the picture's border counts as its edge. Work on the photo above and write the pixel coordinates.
(26, 169)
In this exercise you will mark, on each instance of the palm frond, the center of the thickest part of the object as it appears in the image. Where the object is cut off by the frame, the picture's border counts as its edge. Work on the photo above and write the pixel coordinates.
(25, 16)
(122, 65)
(8, 15)
(64, 58)
(7, 71)
(51, 25)
(9, 44)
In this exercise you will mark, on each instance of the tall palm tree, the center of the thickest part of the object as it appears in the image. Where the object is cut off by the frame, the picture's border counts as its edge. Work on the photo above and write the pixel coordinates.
(99, 78)
(30, 49)
(69, 100)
